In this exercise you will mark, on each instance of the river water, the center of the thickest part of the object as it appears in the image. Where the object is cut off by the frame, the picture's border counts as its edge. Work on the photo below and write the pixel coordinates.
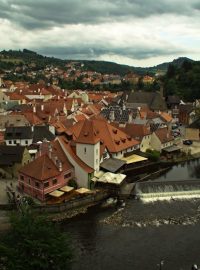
(118, 245)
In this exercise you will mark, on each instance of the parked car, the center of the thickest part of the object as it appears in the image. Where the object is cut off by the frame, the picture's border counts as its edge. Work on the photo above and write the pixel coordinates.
(187, 142)
(176, 134)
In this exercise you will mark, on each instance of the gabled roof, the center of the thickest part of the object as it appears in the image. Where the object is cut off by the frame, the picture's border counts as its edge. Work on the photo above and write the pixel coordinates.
(114, 139)
(33, 118)
(164, 135)
(137, 131)
(173, 99)
(18, 133)
(154, 100)
(42, 168)
(41, 133)
(11, 154)
(166, 117)
(88, 133)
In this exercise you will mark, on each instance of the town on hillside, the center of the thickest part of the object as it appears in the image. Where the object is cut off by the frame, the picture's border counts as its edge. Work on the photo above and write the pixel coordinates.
(66, 131)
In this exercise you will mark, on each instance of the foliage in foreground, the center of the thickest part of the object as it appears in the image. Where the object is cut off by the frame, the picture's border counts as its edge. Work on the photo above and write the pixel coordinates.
(34, 243)
(153, 155)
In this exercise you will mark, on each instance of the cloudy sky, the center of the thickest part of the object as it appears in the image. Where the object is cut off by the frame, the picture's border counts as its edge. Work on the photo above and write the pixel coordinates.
(133, 32)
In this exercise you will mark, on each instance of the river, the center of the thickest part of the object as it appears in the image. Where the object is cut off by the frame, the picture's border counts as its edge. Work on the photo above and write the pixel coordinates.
(118, 245)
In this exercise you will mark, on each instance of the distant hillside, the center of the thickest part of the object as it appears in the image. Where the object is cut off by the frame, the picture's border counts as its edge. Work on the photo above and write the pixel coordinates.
(177, 62)
(11, 58)
(183, 80)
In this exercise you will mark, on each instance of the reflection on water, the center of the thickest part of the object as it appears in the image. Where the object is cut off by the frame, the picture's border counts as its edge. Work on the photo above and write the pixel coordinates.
(100, 246)
(186, 171)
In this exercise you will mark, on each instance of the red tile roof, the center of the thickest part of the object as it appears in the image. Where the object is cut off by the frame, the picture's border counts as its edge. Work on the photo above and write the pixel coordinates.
(137, 131)
(114, 139)
(164, 135)
(42, 168)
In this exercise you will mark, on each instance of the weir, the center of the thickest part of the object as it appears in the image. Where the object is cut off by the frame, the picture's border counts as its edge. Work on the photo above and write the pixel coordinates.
(166, 190)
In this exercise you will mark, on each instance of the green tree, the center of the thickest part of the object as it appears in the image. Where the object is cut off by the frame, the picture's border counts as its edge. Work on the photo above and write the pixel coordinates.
(153, 155)
(34, 243)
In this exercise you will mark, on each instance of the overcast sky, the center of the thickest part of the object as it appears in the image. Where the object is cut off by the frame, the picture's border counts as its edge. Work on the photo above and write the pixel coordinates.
(133, 32)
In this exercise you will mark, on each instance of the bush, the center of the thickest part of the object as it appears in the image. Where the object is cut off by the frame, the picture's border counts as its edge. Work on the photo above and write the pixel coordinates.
(72, 183)
(34, 243)
(153, 155)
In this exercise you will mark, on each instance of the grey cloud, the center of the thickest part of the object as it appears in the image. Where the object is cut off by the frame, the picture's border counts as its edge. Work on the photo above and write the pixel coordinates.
(35, 14)
(95, 51)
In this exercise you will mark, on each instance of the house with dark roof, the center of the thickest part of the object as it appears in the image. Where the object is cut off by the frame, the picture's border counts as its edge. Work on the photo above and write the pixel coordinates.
(154, 100)
(27, 135)
(12, 158)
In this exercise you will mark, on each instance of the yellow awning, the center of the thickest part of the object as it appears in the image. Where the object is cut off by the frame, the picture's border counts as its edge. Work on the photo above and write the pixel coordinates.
(66, 188)
(83, 190)
(56, 193)
(133, 159)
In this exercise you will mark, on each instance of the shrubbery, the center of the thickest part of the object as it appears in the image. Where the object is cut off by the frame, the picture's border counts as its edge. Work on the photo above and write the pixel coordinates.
(153, 155)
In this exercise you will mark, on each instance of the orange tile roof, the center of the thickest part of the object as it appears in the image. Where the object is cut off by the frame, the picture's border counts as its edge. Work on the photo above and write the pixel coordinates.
(79, 117)
(88, 133)
(113, 138)
(166, 117)
(33, 118)
(137, 131)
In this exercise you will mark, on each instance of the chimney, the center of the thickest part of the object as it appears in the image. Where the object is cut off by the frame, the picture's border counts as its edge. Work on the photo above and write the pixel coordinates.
(130, 117)
(34, 108)
(60, 166)
(50, 150)
(112, 116)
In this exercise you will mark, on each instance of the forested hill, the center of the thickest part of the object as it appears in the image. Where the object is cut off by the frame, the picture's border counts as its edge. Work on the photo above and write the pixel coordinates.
(183, 81)
(11, 58)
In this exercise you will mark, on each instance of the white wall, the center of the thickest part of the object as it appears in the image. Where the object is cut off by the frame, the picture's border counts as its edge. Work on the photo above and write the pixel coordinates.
(145, 143)
(21, 142)
(80, 174)
(90, 154)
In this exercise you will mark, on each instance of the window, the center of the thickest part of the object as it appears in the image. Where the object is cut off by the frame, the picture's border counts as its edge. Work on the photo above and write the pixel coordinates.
(26, 142)
(29, 181)
(67, 175)
(54, 181)
(96, 151)
(84, 150)
(97, 161)
(37, 185)
(15, 141)
(10, 142)
(46, 184)
(22, 177)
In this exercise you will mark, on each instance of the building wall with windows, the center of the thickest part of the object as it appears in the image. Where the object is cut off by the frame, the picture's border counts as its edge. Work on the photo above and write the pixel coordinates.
(39, 189)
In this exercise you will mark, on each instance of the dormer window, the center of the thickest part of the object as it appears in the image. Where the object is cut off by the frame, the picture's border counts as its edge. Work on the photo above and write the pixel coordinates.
(117, 142)
(115, 131)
